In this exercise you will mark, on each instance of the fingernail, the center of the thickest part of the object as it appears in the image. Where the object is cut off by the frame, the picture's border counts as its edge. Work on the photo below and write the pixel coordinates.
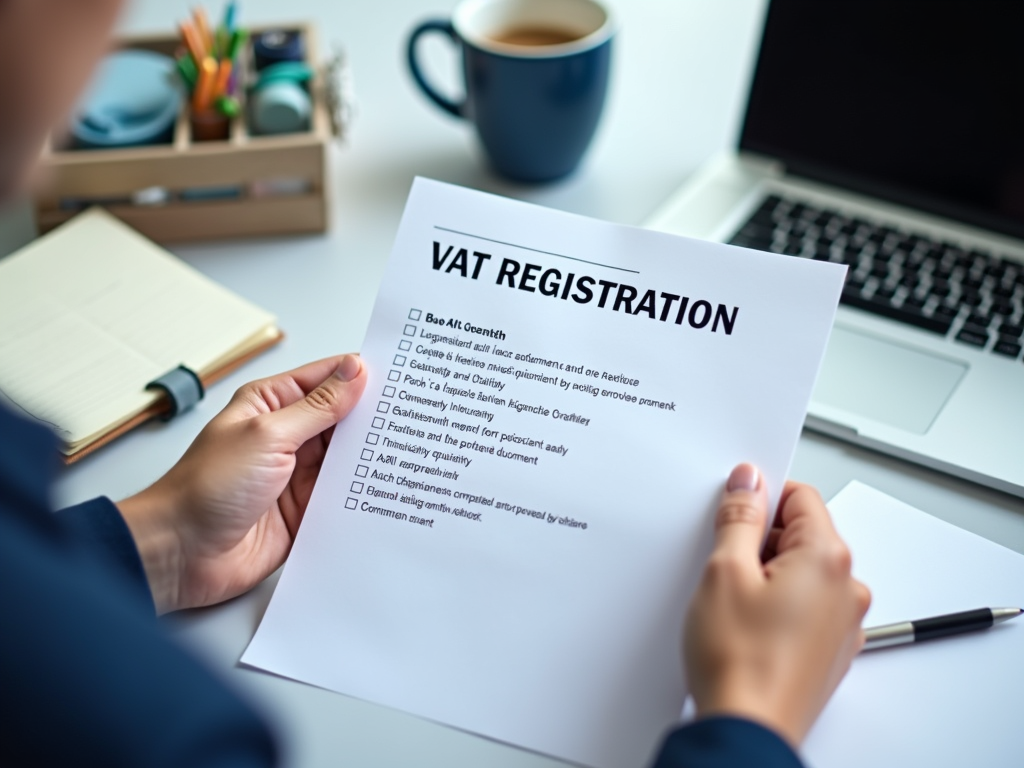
(349, 368)
(745, 477)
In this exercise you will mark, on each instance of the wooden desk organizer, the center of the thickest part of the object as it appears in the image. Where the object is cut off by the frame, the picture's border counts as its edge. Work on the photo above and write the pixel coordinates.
(115, 175)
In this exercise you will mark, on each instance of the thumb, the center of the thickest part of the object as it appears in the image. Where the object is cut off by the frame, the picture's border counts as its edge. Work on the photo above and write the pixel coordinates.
(742, 513)
(325, 405)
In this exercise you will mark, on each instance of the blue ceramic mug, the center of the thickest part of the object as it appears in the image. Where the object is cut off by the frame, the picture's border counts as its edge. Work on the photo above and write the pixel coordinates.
(536, 74)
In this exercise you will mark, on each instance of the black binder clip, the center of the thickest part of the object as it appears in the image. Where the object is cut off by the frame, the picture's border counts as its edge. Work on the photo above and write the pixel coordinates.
(182, 387)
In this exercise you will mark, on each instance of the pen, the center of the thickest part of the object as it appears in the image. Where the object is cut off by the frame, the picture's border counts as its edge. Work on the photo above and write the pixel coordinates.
(936, 626)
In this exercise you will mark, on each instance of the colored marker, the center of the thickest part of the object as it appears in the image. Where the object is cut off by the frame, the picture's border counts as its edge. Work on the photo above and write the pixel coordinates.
(229, 17)
(203, 28)
(203, 94)
(193, 41)
(238, 38)
(187, 70)
(223, 76)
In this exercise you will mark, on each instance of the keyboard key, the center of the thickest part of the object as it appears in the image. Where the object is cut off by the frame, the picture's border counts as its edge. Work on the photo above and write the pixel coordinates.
(972, 282)
(909, 280)
(910, 316)
(884, 294)
(975, 319)
(757, 231)
(976, 337)
(1013, 331)
(915, 302)
(1008, 347)
(1001, 308)
(996, 270)
(970, 298)
(879, 269)
(745, 242)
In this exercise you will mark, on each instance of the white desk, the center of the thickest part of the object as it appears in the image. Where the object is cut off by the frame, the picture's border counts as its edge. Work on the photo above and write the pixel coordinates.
(681, 69)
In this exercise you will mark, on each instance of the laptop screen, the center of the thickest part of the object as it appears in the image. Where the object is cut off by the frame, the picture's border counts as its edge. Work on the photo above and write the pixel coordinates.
(921, 103)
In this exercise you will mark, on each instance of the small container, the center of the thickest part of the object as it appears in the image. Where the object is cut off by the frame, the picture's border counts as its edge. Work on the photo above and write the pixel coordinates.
(133, 101)
(243, 185)
(209, 125)
(277, 45)
(280, 107)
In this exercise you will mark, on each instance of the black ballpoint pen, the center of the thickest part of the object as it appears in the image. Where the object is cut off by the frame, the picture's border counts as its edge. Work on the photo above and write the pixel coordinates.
(937, 626)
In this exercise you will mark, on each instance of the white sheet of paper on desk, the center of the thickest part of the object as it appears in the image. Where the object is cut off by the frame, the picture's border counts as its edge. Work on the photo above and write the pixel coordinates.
(950, 703)
(567, 453)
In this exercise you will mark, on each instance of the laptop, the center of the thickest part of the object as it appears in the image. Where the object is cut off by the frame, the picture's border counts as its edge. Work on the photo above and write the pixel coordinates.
(889, 136)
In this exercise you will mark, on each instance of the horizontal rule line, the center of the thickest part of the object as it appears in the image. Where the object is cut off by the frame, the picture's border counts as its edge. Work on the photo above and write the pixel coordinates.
(535, 250)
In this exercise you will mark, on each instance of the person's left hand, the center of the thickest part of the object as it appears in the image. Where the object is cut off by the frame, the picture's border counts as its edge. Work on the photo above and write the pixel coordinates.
(224, 517)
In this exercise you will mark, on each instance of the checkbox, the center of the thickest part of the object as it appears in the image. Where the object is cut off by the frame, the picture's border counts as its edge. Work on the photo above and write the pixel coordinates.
(410, 330)
(372, 439)
(357, 487)
(367, 454)
(378, 423)
(383, 406)
(362, 470)
(389, 391)
(399, 360)
(394, 375)
(351, 503)
(414, 314)
(405, 346)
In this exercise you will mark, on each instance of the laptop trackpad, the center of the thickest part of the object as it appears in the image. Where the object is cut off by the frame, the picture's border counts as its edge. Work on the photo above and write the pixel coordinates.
(898, 385)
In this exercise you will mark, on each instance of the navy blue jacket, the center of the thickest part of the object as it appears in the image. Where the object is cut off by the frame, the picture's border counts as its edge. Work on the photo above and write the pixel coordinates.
(87, 677)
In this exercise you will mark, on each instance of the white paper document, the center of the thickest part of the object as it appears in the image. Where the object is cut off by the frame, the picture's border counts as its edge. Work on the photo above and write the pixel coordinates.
(507, 529)
(946, 703)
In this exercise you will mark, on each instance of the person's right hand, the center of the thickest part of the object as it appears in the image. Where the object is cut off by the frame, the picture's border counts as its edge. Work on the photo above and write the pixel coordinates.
(769, 638)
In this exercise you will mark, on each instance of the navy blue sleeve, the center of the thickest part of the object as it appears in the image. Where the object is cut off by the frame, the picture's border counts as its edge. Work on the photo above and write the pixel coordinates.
(99, 525)
(87, 676)
(726, 742)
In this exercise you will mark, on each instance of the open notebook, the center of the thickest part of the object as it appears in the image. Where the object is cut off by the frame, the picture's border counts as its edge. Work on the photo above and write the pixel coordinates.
(93, 312)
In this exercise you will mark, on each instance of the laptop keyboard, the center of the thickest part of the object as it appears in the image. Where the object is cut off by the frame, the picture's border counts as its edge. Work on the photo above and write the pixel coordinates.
(971, 296)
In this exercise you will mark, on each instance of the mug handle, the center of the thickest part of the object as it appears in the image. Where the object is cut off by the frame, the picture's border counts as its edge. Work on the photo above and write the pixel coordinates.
(445, 27)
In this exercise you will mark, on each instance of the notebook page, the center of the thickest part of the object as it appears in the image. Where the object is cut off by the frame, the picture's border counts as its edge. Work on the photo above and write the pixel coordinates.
(93, 312)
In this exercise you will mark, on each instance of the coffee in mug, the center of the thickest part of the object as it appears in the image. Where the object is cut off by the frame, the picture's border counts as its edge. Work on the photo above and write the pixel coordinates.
(535, 35)
(536, 74)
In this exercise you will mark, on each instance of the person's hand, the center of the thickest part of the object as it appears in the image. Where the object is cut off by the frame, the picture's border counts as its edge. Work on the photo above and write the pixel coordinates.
(224, 517)
(769, 638)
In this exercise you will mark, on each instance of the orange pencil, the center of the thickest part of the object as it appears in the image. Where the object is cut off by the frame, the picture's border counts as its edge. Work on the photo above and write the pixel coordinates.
(223, 76)
(203, 28)
(202, 97)
(193, 42)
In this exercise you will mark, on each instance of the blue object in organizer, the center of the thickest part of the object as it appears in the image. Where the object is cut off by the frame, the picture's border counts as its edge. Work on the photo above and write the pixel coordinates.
(133, 100)
(277, 45)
